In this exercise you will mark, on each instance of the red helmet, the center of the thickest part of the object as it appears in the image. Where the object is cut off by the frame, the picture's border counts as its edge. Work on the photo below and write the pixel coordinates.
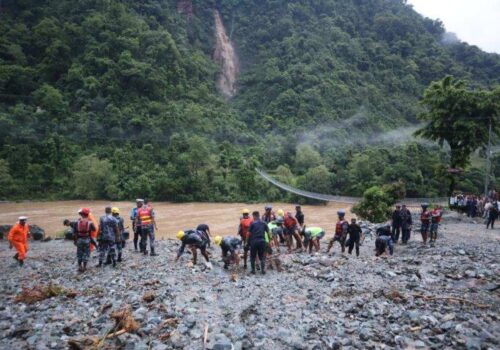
(84, 211)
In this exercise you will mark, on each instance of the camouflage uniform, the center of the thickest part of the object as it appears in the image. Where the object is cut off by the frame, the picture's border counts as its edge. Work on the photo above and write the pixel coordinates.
(107, 238)
(120, 243)
(81, 235)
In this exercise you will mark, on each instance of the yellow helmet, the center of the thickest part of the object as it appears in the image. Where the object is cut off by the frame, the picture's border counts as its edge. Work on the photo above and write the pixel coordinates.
(180, 234)
(280, 212)
(245, 211)
(218, 240)
(115, 210)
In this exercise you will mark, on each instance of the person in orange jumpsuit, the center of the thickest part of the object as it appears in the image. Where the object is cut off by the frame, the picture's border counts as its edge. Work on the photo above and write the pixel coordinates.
(18, 238)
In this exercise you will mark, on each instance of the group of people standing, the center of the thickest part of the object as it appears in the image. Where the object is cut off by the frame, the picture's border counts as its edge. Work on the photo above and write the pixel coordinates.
(487, 207)
(402, 223)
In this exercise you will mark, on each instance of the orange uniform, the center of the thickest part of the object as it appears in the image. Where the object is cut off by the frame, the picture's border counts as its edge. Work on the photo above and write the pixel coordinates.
(93, 234)
(18, 237)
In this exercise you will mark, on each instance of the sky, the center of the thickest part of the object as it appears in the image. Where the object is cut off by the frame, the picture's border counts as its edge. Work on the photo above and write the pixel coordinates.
(476, 22)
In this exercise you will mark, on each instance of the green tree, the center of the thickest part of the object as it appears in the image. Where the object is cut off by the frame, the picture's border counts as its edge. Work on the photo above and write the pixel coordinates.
(306, 157)
(375, 205)
(91, 177)
(458, 117)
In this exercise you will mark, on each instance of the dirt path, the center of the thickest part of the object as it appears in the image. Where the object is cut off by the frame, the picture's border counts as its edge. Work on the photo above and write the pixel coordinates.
(171, 217)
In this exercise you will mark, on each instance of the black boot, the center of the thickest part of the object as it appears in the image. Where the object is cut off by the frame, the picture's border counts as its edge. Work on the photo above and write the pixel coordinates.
(21, 262)
(16, 257)
(100, 264)
(145, 252)
(252, 263)
(114, 263)
(84, 267)
(263, 267)
(153, 252)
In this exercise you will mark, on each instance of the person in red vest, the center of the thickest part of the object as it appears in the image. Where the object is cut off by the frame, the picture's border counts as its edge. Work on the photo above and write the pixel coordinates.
(291, 226)
(341, 229)
(18, 238)
(436, 215)
(146, 220)
(243, 231)
(425, 220)
(82, 237)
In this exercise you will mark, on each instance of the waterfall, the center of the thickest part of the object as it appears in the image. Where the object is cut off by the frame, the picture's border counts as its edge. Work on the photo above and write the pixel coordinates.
(225, 55)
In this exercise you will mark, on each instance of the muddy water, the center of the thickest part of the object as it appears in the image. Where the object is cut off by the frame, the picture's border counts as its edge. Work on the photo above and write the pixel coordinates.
(223, 218)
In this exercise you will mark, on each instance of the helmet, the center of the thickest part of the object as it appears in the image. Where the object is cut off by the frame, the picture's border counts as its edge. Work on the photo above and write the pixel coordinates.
(269, 207)
(23, 218)
(280, 220)
(115, 210)
(180, 234)
(341, 212)
(424, 205)
(218, 240)
(280, 212)
(245, 211)
(84, 211)
(139, 200)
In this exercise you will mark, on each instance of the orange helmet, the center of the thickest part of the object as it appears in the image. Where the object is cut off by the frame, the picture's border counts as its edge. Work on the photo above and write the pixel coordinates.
(84, 211)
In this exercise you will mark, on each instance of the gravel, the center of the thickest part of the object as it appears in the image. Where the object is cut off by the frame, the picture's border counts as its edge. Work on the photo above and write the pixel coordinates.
(317, 302)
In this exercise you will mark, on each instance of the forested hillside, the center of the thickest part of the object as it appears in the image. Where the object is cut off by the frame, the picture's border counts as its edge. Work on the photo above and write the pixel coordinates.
(117, 99)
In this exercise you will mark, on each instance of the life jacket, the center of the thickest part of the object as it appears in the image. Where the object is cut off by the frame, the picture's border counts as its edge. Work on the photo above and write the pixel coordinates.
(425, 217)
(245, 226)
(339, 228)
(145, 216)
(290, 222)
(436, 216)
(83, 228)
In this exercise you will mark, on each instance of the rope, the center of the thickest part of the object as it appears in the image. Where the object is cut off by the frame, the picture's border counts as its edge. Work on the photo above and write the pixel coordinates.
(341, 199)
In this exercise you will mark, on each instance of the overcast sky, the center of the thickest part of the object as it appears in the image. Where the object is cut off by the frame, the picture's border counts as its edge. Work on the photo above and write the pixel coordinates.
(476, 22)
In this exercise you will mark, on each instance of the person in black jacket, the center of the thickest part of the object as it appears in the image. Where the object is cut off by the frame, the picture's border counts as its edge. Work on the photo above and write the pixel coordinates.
(354, 232)
(258, 231)
(406, 223)
(396, 224)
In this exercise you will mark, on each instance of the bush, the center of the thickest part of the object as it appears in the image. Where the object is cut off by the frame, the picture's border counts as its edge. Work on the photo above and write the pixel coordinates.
(375, 205)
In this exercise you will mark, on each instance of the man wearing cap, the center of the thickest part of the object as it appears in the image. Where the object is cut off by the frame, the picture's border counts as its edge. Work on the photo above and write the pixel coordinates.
(341, 229)
(82, 237)
(107, 237)
(18, 238)
(121, 227)
(133, 217)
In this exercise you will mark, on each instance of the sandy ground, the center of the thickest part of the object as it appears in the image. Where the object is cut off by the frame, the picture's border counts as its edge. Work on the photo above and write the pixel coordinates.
(222, 218)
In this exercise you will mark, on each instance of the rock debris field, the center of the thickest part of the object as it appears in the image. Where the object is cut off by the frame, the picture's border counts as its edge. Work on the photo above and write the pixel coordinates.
(445, 297)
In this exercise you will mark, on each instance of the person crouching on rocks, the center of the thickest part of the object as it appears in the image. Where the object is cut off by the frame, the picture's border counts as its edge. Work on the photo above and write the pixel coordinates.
(194, 240)
(230, 250)
(384, 241)
(276, 229)
(312, 236)
(18, 238)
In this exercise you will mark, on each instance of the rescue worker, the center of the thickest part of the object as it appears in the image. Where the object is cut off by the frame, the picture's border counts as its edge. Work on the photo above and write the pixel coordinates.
(312, 236)
(299, 215)
(82, 238)
(194, 240)
(384, 240)
(340, 231)
(292, 231)
(206, 231)
(436, 215)
(492, 215)
(355, 233)
(18, 238)
(276, 230)
(146, 220)
(231, 245)
(406, 223)
(258, 233)
(281, 213)
(121, 228)
(133, 217)
(107, 238)
(243, 230)
(396, 223)
(268, 215)
(425, 221)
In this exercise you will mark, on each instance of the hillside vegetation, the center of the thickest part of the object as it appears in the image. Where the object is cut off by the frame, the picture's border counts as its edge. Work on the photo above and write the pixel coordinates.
(117, 99)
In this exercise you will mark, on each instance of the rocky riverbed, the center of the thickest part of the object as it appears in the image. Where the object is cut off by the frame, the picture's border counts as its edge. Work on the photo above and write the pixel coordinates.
(316, 302)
